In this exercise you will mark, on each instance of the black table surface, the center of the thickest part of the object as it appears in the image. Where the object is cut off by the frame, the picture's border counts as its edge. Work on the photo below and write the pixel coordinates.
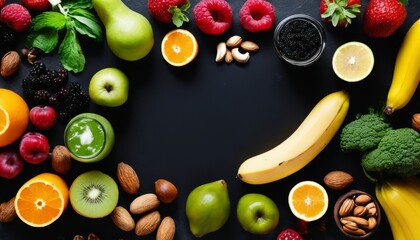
(196, 124)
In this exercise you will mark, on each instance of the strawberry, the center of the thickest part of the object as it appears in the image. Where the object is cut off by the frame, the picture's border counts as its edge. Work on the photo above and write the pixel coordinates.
(383, 17)
(169, 10)
(339, 12)
(37, 5)
(15, 16)
(289, 234)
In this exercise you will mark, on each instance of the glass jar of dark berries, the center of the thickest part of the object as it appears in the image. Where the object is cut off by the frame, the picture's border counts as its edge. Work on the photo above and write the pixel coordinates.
(299, 40)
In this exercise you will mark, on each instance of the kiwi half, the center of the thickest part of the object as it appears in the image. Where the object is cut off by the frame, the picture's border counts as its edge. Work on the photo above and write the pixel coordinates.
(94, 194)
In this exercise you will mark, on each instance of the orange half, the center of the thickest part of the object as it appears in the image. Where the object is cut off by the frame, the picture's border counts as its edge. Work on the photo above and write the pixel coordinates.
(14, 116)
(42, 200)
(308, 201)
(179, 47)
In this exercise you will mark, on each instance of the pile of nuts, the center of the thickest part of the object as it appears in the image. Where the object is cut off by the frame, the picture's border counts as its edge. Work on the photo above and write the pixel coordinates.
(233, 49)
(358, 214)
(145, 206)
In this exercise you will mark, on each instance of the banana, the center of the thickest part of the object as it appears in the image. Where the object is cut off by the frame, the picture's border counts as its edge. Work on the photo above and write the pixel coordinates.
(300, 148)
(396, 228)
(400, 198)
(406, 71)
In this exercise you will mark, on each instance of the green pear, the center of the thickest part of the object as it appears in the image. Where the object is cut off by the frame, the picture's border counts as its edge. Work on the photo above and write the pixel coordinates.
(128, 33)
(208, 207)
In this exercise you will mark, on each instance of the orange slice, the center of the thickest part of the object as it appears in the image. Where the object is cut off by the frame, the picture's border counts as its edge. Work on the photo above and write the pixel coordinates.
(308, 201)
(179, 47)
(42, 200)
(14, 116)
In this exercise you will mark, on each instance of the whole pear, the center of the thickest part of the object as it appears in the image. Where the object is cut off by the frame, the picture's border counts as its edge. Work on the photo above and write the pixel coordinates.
(129, 34)
(208, 207)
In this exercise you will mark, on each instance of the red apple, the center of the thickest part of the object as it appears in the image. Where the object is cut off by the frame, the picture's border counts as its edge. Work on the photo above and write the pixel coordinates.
(34, 147)
(11, 164)
(43, 117)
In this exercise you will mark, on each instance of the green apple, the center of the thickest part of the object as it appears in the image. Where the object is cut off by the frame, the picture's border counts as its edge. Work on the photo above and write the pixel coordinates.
(257, 213)
(89, 137)
(109, 87)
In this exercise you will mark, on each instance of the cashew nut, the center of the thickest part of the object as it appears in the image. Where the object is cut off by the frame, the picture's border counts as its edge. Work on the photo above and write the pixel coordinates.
(240, 57)
(221, 51)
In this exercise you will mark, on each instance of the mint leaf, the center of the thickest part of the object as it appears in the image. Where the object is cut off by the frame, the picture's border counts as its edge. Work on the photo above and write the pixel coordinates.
(70, 51)
(48, 20)
(87, 27)
(45, 40)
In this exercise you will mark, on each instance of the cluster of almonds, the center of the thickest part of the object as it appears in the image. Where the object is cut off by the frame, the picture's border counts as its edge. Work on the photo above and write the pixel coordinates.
(232, 50)
(145, 205)
(358, 214)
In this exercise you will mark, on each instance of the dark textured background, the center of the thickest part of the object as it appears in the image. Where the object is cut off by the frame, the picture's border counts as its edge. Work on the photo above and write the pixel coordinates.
(196, 124)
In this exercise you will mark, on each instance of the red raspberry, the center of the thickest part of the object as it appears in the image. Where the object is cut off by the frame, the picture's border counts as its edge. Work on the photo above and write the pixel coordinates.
(37, 5)
(289, 234)
(213, 17)
(257, 15)
(15, 16)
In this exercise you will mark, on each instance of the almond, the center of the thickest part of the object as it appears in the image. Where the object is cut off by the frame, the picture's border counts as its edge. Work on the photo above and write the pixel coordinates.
(10, 63)
(234, 41)
(228, 56)
(128, 178)
(61, 159)
(7, 211)
(362, 199)
(346, 208)
(338, 180)
(148, 223)
(166, 230)
(249, 46)
(144, 203)
(122, 219)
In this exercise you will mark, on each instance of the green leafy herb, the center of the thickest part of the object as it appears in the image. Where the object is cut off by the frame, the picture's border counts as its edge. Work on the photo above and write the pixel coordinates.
(65, 22)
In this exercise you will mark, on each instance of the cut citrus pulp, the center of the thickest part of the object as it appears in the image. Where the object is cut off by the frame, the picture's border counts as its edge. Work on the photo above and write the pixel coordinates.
(42, 200)
(14, 116)
(179, 47)
(308, 201)
(353, 61)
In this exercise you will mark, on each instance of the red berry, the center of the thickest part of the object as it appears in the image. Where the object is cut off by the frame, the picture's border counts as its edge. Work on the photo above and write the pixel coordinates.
(34, 147)
(213, 17)
(257, 15)
(37, 5)
(175, 11)
(15, 16)
(43, 117)
(383, 17)
(289, 234)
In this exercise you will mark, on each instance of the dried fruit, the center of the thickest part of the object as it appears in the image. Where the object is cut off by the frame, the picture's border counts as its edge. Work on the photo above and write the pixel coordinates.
(10, 63)
(166, 230)
(338, 180)
(144, 203)
(148, 223)
(7, 211)
(128, 178)
(165, 191)
(122, 219)
(61, 159)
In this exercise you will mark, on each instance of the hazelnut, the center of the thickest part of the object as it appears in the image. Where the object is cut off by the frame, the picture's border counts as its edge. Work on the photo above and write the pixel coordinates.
(415, 121)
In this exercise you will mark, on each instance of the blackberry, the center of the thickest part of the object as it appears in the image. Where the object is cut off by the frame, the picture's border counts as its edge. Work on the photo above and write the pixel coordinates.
(38, 68)
(63, 93)
(60, 78)
(41, 96)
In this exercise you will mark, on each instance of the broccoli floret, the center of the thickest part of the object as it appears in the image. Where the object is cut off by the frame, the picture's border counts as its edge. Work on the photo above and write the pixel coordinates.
(364, 133)
(397, 154)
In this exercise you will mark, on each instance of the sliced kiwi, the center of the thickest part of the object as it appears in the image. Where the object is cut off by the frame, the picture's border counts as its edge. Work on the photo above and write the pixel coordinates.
(94, 194)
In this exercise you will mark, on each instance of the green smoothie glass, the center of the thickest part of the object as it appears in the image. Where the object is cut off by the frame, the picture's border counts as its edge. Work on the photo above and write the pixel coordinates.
(89, 137)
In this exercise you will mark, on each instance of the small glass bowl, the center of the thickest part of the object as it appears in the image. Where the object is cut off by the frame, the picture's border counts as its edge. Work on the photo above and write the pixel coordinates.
(308, 33)
(353, 194)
